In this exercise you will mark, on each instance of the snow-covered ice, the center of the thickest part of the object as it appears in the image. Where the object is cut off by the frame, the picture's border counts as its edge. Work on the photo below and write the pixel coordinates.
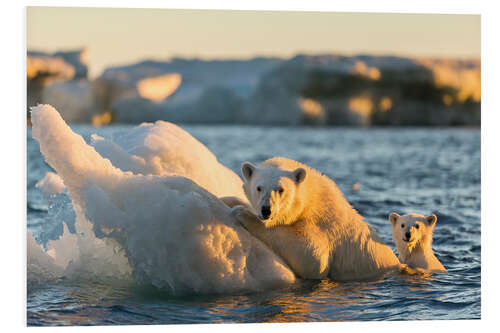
(51, 184)
(151, 210)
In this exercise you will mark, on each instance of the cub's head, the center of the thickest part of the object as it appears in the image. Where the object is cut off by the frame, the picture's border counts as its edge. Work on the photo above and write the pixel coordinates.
(274, 192)
(411, 229)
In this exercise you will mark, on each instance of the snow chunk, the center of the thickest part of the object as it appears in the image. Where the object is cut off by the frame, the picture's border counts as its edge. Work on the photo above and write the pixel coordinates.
(50, 184)
(176, 234)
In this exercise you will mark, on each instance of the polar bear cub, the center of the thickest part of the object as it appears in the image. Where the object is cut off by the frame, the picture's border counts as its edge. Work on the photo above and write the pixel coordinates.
(412, 234)
(302, 216)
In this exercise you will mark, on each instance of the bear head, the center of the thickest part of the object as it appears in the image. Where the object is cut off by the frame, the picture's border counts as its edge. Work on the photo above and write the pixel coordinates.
(273, 192)
(411, 229)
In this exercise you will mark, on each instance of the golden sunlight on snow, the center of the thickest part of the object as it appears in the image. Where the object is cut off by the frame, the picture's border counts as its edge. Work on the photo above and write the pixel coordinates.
(36, 65)
(102, 119)
(160, 87)
(385, 104)
(362, 69)
(311, 108)
(361, 105)
(467, 81)
(447, 99)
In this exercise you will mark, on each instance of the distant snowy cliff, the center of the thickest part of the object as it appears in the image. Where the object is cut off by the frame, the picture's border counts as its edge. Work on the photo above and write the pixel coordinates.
(304, 90)
(61, 79)
(369, 90)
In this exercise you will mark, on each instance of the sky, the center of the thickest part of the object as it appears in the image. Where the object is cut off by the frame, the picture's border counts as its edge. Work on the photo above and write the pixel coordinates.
(124, 36)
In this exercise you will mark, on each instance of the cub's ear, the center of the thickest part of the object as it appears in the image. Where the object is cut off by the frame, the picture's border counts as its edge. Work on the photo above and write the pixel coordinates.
(247, 170)
(393, 218)
(431, 220)
(299, 175)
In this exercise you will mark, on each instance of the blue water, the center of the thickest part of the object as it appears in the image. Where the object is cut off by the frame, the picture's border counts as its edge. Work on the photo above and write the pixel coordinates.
(403, 170)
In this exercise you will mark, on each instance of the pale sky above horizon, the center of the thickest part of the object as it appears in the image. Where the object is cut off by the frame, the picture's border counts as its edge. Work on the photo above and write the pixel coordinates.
(117, 36)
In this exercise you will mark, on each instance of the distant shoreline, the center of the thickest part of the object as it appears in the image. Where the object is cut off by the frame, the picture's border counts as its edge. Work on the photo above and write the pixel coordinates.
(317, 90)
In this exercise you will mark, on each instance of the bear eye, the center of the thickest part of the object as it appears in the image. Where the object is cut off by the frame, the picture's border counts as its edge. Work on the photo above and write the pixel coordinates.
(280, 190)
(402, 225)
(259, 188)
(416, 226)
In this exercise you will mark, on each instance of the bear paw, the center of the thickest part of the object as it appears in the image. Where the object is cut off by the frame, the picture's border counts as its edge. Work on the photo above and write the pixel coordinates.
(243, 216)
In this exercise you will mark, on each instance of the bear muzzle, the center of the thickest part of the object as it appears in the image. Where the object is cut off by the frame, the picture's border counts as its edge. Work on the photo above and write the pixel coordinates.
(265, 212)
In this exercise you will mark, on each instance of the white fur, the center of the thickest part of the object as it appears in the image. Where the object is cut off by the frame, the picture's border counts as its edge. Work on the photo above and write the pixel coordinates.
(415, 251)
(311, 225)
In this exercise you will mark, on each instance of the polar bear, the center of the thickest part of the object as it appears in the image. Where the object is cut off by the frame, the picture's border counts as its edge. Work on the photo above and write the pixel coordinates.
(303, 217)
(412, 234)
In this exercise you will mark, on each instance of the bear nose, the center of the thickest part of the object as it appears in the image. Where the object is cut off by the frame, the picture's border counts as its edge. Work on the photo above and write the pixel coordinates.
(266, 211)
(408, 235)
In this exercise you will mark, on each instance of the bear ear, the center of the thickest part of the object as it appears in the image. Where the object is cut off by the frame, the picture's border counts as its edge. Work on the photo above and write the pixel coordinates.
(299, 175)
(431, 220)
(393, 218)
(247, 170)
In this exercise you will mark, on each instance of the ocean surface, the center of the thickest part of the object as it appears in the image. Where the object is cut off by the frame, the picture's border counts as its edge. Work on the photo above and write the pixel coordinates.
(399, 169)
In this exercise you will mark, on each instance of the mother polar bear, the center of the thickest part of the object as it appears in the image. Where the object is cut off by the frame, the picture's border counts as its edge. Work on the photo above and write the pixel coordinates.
(304, 218)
